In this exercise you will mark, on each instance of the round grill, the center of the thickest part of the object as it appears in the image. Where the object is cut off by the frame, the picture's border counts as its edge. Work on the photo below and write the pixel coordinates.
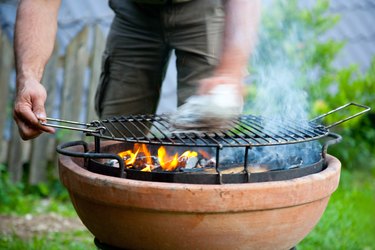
(248, 130)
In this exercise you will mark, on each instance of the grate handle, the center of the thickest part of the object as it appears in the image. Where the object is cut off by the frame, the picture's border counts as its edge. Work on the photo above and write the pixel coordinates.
(335, 138)
(77, 124)
(365, 110)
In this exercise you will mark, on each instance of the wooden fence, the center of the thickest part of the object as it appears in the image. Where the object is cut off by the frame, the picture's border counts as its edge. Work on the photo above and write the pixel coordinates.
(79, 64)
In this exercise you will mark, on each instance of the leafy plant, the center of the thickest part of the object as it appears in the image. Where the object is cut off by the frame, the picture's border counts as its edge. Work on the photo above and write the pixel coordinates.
(20, 199)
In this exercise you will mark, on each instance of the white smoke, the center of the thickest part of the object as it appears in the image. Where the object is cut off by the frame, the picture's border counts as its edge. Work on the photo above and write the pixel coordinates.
(281, 79)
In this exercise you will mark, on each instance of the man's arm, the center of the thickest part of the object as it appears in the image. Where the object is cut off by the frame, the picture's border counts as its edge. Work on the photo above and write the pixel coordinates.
(35, 31)
(241, 23)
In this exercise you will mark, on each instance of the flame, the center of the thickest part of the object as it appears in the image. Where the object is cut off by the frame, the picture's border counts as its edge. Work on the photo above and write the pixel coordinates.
(129, 157)
(167, 162)
(147, 154)
(187, 154)
(140, 157)
(147, 169)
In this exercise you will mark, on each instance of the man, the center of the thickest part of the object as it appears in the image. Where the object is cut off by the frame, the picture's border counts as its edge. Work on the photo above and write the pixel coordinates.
(212, 41)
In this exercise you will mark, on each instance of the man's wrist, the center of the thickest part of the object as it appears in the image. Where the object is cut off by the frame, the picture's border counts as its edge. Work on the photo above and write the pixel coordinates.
(234, 71)
(28, 73)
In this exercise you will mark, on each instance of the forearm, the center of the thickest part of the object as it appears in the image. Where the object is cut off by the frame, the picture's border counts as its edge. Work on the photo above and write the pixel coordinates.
(35, 32)
(242, 18)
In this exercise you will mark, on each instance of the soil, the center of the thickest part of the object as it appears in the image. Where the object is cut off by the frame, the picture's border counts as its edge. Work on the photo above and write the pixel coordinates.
(31, 225)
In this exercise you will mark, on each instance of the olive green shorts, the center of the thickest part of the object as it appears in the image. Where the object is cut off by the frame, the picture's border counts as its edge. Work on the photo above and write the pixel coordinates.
(139, 45)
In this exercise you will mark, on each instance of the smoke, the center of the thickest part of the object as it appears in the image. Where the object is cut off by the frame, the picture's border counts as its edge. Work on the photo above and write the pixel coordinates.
(279, 95)
(281, 78)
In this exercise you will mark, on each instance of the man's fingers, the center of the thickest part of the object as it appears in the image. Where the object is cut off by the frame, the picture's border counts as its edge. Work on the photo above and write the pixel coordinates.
(28, 122)
(26, 132)
(29, 108)
(40, 114)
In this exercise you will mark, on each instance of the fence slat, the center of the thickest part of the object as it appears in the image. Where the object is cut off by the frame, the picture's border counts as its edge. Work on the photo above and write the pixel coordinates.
(15, 155)
(97, 51)
(41, 145)
(6, 66)
(75, 66)
(15, 149)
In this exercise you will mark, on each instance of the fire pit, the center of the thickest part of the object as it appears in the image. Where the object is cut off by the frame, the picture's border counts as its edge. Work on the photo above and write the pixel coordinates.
(129, 198)
(135, 214)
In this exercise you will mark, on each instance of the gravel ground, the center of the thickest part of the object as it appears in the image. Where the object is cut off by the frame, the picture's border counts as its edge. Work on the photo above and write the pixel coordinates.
(30, 225)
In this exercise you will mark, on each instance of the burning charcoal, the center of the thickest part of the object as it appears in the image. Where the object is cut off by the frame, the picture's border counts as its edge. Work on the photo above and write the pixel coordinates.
(143, 161)
(191, 163)
(113, 163)
(203, 163)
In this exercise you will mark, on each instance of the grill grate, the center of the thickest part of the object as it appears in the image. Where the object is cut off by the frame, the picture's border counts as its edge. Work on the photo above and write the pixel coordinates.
(248, 130)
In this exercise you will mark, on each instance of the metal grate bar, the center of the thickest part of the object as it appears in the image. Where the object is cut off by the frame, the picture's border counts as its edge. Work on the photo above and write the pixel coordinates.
(140, 120)
(304, 128)
(164, 123)
(152, 120)
(284, 132)
(108, 129)
(121, 125)
(257, 126)
(226, 136)
(239, 134)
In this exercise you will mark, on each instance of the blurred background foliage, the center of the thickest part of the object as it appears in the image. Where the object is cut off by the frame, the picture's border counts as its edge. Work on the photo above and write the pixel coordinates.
(294, 38)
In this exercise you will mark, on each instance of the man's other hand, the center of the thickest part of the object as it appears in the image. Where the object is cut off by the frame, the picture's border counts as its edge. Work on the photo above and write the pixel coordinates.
(29, 108)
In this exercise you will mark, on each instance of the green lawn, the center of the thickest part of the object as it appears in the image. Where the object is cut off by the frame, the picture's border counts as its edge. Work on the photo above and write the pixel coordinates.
(348, 223)
(349, 220)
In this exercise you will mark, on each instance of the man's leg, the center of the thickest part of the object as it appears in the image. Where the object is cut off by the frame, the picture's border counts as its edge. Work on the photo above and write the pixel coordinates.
(197, 36)
(134, 62)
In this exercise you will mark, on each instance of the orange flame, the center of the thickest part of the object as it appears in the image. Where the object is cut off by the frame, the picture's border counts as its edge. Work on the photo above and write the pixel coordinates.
(129, 157)
(167, 162)
(147, 154)
(187, 154)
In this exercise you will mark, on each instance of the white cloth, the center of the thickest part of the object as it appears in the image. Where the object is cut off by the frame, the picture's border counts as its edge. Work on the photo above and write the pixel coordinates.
(215, 110)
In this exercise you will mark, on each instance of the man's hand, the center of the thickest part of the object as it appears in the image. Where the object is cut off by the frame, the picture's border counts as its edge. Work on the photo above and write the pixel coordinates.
(29, 108)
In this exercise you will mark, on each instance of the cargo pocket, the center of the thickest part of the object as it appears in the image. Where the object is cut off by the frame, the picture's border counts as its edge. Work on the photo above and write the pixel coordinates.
(103, 82)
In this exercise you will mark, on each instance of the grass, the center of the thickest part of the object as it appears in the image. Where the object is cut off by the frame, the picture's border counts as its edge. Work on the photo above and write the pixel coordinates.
(348, 222)
(78, 240)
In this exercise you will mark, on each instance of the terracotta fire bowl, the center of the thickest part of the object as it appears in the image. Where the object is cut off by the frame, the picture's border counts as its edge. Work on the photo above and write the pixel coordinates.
(153, 215)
